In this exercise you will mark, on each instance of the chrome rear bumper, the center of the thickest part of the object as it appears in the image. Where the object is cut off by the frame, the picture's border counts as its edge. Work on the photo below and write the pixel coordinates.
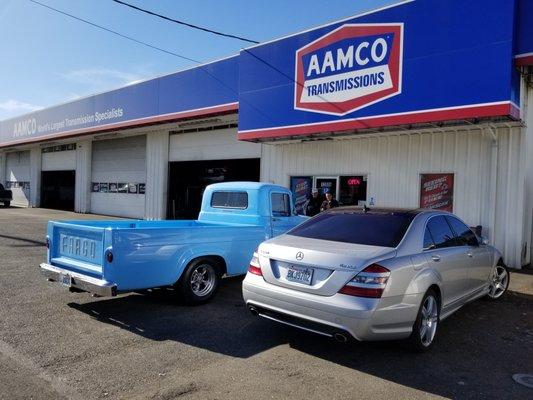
(79, 281)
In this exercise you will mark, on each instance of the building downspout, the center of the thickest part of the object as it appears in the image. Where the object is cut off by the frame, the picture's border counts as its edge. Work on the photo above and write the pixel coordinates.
(493, 182)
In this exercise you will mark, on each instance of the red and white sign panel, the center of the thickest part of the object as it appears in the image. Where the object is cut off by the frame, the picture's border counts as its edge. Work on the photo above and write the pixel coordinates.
(436, 191)
(352, 67)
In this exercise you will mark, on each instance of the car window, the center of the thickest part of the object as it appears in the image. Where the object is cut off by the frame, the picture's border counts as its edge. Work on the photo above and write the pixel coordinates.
(374, 229)
(465, 236)
(229, 200)
(1, 187)
(281, 204)
(428, 240)
(441, 232)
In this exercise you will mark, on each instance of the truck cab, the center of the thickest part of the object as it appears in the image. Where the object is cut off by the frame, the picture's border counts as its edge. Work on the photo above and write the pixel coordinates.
(252, 203)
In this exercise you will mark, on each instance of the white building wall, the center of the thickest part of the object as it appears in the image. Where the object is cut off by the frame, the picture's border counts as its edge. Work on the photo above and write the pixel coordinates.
(393, 165)
(119, 161)
(18, 170)
(3, 157)
(510, 197)
(527, 102)
(156, 175)
(82, 194)
(35, 177)
(211, 145)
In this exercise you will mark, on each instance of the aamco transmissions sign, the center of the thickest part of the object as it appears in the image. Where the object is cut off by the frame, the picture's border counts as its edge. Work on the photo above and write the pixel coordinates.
(349, 68)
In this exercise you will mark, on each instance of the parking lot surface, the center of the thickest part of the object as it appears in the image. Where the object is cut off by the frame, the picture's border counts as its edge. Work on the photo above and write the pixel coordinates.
(55, 344)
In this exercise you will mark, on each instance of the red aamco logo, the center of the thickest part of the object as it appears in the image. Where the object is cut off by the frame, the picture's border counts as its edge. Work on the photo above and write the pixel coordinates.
(349, 68)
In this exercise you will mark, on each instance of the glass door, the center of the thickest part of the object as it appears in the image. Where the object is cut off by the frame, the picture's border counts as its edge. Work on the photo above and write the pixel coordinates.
(327, 184)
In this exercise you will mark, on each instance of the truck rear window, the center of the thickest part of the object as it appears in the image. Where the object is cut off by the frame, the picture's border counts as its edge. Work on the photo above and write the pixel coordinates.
(229, 200)
(373, 229)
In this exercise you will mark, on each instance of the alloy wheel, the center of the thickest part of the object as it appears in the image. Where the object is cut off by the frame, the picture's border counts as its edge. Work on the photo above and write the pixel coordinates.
(430, 318)
(498, 283)
(202, 280)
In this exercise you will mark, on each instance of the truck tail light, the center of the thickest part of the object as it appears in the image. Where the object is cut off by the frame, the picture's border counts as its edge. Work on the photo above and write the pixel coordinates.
(370, 282)
(254, 267)
(109, 256)
(48, 243)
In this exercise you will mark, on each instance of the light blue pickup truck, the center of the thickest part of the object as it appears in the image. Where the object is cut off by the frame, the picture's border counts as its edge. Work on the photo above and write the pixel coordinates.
(109, 257)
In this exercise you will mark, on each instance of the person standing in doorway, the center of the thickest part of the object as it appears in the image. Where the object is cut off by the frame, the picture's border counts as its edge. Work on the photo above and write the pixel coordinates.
(329, 203)
(312, 207)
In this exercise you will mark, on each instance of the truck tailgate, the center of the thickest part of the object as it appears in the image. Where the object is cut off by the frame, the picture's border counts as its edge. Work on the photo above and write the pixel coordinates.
(77, 248)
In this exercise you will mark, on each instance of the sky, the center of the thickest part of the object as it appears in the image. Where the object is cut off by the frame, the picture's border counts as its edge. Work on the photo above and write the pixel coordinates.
(48, 58)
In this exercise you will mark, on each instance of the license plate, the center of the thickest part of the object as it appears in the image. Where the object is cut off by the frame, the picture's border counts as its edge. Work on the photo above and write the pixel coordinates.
(300, 275)
(65, 280)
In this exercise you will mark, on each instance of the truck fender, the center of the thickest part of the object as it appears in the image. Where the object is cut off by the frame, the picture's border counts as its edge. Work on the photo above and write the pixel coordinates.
(193, 253)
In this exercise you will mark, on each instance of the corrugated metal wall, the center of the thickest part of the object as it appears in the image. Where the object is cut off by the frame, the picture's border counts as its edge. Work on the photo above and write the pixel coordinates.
(156, 175)
(393, 164)
(18, 175)
(509, 235)
(59, 161)
(221, 144)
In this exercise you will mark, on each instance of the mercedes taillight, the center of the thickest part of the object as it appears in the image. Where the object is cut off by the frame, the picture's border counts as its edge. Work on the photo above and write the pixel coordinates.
(370, 282)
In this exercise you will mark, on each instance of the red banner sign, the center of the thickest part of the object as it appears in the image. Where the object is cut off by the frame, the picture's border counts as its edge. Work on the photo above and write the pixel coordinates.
(436, 191)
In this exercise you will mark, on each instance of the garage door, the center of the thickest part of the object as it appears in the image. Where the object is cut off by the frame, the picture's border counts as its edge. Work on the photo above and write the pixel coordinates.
(119, 177)
(18, 177)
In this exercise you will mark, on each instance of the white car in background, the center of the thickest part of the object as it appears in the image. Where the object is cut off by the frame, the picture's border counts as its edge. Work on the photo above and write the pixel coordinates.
(373, 274)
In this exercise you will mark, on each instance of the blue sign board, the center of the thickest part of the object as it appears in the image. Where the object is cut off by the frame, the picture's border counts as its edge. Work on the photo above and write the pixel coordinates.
(524, 41)
(202, 90)
(412, 62)
(417, 61)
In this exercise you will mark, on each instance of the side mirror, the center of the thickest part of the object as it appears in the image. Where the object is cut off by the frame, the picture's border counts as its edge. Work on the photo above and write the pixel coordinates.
(484, 241)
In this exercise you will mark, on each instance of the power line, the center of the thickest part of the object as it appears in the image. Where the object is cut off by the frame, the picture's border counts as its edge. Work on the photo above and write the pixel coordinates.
(116, 33)
(205, 70)
(201, 67)
(185, 23)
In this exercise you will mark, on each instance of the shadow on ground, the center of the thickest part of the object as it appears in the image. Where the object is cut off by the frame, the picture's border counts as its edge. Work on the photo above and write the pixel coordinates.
(477, 349)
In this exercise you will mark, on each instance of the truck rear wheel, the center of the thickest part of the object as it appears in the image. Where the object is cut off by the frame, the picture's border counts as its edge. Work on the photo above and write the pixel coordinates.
(199, 281)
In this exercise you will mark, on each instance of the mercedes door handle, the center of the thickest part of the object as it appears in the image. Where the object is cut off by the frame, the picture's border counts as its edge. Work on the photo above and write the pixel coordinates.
(435, 258)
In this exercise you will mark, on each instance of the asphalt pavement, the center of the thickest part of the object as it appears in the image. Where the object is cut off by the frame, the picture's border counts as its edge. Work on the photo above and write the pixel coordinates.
(55, 344)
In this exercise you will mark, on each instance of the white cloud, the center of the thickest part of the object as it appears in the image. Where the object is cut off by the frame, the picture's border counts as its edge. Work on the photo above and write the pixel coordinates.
(102, 77)
(14, 107)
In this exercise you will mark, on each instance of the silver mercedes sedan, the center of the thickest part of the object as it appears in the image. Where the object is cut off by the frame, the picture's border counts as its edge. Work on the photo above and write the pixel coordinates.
(374, 274)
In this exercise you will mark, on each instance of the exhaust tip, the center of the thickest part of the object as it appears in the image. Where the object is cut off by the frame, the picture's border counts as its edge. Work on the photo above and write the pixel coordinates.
(253, 310)
(340, 337)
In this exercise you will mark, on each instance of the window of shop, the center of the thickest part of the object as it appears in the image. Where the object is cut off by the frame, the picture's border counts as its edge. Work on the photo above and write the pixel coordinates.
(326, 185)
(352, 190)
(301, 187)
(348, 190)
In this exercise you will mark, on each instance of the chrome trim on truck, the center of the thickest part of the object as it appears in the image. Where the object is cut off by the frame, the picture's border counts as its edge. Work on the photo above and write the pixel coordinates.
(85, 283)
